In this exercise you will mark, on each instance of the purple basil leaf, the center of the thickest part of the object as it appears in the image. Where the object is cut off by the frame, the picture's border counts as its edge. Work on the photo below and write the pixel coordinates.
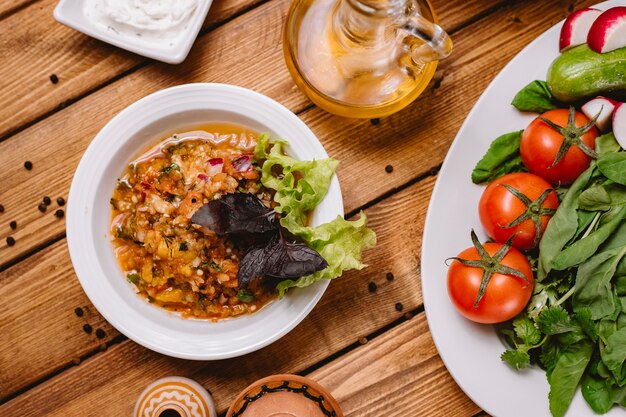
(236, 214)
(279, 259)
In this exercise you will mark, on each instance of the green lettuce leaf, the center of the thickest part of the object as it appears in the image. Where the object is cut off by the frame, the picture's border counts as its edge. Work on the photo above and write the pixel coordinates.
(502, 158)
(340, 243)
(300, 186)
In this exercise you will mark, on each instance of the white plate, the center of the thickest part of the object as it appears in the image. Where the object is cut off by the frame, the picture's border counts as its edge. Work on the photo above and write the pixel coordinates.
(71, 14)
(471, 352)
(89, 216)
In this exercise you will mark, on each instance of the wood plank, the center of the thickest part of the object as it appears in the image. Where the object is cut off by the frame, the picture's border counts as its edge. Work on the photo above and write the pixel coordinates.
(426, 127)
(32, 41)
(7, 7)
(397, 374)
(33, 347)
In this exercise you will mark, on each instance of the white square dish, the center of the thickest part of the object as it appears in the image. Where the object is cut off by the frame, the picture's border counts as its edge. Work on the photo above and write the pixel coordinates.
(71, 13)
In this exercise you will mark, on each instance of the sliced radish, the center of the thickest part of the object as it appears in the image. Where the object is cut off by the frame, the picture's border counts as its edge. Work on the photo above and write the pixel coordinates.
(619, 124)
(608, 32)
(601, 107)
(576, 27)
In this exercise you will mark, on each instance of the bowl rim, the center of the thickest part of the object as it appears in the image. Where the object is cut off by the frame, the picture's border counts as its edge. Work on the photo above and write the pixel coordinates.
(291, 378)
(87, 262)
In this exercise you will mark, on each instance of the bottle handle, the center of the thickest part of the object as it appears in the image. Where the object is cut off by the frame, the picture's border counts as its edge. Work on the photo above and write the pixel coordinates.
(436, 44)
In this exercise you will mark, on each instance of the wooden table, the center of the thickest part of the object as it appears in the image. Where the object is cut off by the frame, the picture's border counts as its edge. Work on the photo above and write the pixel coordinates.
(369, 345)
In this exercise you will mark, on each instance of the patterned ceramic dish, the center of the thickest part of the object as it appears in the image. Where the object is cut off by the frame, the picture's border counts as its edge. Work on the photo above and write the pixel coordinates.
(289, 395)
(174, 396)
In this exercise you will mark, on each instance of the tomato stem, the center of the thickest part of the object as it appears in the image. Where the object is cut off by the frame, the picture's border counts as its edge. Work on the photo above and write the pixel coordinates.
(534, 210)
(490, 264)
(572, 135)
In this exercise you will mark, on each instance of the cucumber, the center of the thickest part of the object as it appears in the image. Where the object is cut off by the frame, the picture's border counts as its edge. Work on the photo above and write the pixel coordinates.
(581, 73)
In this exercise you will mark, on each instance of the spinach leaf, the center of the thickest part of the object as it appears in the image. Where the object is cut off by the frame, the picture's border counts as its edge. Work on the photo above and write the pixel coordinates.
(603, 197)
(584, 248)
(566, 375)
(501, 158)
(614, 355)
(613, 166)
(620, 286)
(598, 393)
(607, 144)
(562, 226)
(535, 97)
(593, 289)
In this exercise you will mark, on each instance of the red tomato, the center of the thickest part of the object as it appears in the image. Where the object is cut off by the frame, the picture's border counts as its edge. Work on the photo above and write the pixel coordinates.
(506, 295)
(499, 207)
(540, 145)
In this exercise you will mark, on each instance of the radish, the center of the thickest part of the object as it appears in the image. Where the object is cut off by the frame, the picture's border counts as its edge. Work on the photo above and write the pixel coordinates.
(619, 124)
(601, 107)
(608, 32)
(576, 27)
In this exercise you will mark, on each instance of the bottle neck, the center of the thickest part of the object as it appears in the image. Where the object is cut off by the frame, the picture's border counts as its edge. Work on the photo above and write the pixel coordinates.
(368, 23)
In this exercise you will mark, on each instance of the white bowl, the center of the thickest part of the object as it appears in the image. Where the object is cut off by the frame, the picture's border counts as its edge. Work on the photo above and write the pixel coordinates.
(89, 216)
(71, 14)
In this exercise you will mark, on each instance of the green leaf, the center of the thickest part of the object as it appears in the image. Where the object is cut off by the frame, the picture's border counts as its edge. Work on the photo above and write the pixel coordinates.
(535, 97)
(614, 355)
(516, 359)
(133, 278)
(620, 285)
(295, 198)
(549, 356)
(340, 243)
(583, 249)
(525, 329)
(501, 158)
(613, 166)
(586, 323)
(555, 320)
(607, 144)
(597, 393)
(563, 225)
(245, 296)
(603, 197)
(593, 289)
(566, 375)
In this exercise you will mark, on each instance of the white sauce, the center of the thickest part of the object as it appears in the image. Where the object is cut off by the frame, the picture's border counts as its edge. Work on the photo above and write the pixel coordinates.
(149, 20)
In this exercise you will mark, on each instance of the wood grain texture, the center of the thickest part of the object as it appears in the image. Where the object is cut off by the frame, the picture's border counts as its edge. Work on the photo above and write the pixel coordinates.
(39, 344)
(398, 374)
(8, 7)
(425, 128)
(32, 41)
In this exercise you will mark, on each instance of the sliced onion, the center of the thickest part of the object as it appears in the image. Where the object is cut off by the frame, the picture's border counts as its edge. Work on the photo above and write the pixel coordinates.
(215, 166)
(242, 164)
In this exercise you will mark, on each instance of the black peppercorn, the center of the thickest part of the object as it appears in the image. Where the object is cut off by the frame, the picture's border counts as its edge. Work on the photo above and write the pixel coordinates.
(10, 241)
(54, 79)
(61, 201)
(390, 276)
(372, 287)
(78, 311)
(13, 225)
(374, 121)
(42, 207)
(59, 213)
(389, 169)
(399, 306)
(47, 201)
(28, 165)
(1, 208)
(100, 334)
(87, 328)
